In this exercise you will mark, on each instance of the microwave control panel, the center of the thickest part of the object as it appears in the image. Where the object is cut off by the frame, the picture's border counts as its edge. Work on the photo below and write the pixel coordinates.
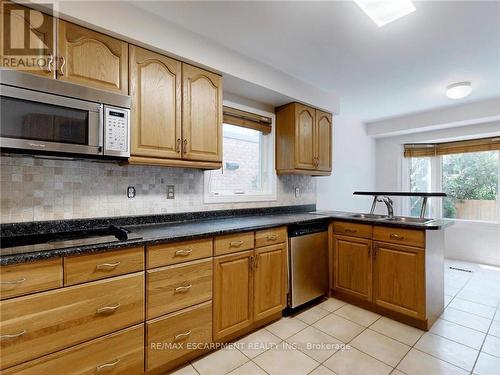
(116, 131)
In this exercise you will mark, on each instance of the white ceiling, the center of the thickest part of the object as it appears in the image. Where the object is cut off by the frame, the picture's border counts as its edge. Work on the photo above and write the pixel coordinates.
(400, 68)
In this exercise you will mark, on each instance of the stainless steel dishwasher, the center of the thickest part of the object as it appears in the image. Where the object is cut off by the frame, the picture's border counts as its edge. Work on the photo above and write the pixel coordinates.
(308, 262)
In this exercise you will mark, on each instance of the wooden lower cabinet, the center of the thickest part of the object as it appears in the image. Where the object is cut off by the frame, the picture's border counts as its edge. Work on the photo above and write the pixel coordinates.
(42, 323)
(233, 293)
(84, 268)
(175, 287)
(121, 352)
(25, 278)
(174, 336)
(352, 262)
(269, 280)
(399, 278)
(249, 287)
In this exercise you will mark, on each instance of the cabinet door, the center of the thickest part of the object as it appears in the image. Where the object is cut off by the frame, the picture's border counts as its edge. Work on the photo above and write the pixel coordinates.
(269, 280)
(352, 266)
(304, 137)
(201, 114)
(27, 40)
(323, 136)
(93, 59)
(399, 278)
(155, 87)
(233, 293)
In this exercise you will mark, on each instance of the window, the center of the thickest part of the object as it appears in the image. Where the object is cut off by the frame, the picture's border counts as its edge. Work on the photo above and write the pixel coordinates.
(468, 172)
(471, 182)
(420, 181)
(247, 172)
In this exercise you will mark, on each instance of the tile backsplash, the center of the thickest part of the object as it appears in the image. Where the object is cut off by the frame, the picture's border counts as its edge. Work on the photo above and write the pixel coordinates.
(35, 189)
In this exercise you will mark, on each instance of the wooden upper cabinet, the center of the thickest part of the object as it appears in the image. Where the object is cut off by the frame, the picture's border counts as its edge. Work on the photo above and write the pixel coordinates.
(305, 135)
(323, 136)
(201, 115)
(31, 53)
(303, 140)
(92, 59)
(155, 87)
(269, 280)
(352, 273)
(233, 293)
(399, 278)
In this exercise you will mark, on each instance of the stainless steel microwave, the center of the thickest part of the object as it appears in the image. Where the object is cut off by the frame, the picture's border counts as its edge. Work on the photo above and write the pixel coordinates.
(39, 114)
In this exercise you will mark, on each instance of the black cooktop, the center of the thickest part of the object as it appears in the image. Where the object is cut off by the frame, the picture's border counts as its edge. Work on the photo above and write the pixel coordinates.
(61, 240)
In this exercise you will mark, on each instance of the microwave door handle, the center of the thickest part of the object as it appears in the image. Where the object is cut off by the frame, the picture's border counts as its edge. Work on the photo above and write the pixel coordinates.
(101, 129)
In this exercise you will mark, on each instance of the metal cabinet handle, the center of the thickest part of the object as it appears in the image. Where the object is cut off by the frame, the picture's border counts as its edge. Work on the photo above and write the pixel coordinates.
(272, 237)
(106, 366)
(395, 236)
(13, 336)
(235, 243)
(183, 288)
(108, 309)
(107, 266)
(183, 252)
(182, 335)
(61, 68)
(50, 61)
(350, 230)
(184, 145)
(178, 145)
(13, 282)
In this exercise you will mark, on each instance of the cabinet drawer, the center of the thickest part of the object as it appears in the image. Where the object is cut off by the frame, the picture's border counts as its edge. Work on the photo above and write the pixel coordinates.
(42, 323)
(118, 353)
(232, 243)
(19, 279)
(178, 252)
(270, 236)
(175, 287)
(83, 268)
(409, 237)
(168, 337)
(352, 229)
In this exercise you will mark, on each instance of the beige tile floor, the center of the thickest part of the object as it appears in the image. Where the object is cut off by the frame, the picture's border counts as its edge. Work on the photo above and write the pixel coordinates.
(337, 338)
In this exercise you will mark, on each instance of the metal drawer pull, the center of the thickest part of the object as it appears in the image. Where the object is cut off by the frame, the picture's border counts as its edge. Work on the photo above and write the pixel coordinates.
(183, 252)
(182, 335)
(235, 243)
(107, 266)
(272, 237)
(13, 282)
(106, 366)
(396, 236)
(182, 289)
(13, 336)
(108, 309)
(351, 230)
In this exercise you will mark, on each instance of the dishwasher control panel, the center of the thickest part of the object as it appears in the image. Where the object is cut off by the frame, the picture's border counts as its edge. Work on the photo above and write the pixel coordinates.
(307, 228)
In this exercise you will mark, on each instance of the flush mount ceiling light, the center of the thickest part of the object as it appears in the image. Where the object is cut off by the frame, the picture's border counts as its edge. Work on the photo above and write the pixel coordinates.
(458, 90)
(385, 11)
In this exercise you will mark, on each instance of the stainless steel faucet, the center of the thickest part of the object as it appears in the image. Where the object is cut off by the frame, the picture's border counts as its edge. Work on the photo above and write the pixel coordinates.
(390, 206)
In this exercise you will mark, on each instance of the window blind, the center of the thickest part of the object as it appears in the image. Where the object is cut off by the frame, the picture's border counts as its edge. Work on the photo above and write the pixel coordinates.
(248, 120)
(447, 148)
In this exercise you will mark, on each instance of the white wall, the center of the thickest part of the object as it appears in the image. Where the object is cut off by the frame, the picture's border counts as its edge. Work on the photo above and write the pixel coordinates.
(353, 168)
(466, 240)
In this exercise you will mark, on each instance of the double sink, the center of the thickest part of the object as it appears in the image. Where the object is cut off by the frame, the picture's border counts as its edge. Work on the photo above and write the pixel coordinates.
(400, 219)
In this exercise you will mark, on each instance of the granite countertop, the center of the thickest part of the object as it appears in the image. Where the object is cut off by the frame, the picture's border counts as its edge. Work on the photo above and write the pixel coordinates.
(199, 228)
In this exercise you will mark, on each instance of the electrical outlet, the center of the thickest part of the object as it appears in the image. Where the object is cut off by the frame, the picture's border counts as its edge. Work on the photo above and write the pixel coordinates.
(170, 192)
(297, 192)
(131, 192)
